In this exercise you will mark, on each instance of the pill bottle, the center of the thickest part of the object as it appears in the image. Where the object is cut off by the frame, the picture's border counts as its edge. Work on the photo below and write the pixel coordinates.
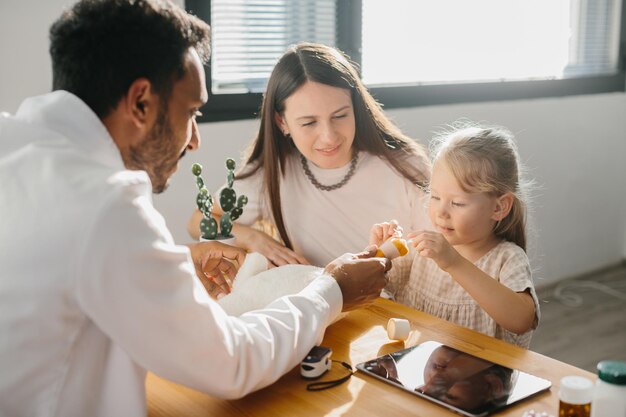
(575, 396)
(609, 396)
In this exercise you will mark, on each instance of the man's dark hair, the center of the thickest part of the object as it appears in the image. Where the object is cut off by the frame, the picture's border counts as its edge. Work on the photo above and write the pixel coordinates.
(99, 47)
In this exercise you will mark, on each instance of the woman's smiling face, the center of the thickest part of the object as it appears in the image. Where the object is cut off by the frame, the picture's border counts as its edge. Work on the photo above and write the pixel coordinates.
(320, 119)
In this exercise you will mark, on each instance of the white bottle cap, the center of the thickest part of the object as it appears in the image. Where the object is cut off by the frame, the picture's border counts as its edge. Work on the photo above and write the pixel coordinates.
(576, 390)
(398, 329)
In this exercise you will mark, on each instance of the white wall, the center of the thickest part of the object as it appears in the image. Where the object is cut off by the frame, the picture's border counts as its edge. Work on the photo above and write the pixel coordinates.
(575, 148)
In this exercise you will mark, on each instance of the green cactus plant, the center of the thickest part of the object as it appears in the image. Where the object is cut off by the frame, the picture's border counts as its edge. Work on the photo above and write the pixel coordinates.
(230, 204)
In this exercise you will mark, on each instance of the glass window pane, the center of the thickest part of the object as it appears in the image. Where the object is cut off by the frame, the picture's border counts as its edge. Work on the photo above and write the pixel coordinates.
(448, 41)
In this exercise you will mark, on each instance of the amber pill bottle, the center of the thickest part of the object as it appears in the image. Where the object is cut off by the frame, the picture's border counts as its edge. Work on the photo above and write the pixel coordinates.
(575, 396)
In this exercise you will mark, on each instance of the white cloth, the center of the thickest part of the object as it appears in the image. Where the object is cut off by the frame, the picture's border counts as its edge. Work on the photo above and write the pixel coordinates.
(256, 285)
(418, 282)
(323, 225)
(93, 290)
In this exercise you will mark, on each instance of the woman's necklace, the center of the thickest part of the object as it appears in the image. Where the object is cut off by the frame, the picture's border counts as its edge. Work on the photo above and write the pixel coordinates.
(315, 182)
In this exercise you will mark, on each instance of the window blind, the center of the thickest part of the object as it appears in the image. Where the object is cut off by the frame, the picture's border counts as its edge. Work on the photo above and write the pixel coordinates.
(594, 42)
(249, 36)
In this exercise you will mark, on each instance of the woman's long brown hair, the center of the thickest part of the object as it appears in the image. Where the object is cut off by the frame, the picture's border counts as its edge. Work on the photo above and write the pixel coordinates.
(374, 133)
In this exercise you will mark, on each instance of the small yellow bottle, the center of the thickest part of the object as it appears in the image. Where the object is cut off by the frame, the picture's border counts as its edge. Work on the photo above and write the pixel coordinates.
(392, 248)
(575, 396)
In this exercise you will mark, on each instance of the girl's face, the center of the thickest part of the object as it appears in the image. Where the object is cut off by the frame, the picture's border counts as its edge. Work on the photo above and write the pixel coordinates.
(463, 218)
(320, 119)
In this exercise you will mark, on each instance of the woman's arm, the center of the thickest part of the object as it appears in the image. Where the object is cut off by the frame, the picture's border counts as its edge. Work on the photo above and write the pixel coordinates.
(254, 240)
(251, 240)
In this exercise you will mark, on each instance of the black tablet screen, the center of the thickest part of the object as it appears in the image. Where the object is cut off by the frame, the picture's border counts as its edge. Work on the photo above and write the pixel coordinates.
(449, 377)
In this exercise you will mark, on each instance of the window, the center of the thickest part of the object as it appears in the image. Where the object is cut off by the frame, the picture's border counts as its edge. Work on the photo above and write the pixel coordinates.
(250, 36)
(414, 53)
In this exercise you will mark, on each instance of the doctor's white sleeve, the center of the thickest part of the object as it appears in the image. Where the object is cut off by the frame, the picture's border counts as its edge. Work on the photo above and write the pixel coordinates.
(141, 290)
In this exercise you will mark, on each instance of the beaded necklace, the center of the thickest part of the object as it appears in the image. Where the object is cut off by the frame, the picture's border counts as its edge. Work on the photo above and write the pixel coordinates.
(316, 183)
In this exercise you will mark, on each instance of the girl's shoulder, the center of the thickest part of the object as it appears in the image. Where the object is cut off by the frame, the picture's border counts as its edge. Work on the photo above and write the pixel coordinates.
(504, 255)
(506, 260)
(509, 249)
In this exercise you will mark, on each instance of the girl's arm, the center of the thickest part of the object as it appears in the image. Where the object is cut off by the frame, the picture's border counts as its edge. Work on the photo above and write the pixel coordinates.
(514, 311)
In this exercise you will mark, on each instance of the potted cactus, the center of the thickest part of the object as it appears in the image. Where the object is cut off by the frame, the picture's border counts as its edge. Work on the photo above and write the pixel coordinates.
(230, 204)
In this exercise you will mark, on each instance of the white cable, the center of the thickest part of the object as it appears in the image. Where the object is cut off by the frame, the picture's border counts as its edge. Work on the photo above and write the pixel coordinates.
(572, 299)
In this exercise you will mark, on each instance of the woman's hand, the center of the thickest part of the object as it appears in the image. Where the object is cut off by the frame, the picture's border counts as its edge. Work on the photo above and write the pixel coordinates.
(214, 265)
(434, 245)
(257, 241)
(252, 240)
(380, 232)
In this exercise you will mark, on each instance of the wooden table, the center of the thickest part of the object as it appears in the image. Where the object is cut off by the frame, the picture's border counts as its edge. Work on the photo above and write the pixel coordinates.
(361, 336)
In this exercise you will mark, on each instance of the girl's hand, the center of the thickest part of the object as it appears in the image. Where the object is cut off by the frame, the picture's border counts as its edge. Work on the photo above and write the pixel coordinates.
(434, 246)
(257, 241)
(380, 232)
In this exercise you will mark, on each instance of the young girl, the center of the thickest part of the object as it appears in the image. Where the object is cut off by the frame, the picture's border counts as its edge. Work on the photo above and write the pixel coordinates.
(472, 269)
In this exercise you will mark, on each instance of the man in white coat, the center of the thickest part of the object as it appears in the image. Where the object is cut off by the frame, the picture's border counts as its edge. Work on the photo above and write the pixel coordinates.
(93, 289)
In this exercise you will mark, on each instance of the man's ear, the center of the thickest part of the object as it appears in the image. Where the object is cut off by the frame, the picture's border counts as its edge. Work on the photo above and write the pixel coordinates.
(280, 122)
(141, 103)
(504, 204)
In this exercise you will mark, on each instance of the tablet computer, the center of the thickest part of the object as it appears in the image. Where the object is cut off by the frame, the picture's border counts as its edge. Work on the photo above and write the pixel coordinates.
(464, 383)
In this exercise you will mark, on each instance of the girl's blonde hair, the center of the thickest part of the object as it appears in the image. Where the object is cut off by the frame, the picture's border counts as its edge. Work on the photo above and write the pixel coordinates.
(486, 160)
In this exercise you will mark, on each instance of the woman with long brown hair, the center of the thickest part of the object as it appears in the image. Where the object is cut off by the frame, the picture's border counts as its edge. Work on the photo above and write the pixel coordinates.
(326, 164)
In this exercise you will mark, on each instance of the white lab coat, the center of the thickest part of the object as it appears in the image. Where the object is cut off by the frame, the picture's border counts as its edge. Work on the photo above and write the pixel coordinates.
(94, 292)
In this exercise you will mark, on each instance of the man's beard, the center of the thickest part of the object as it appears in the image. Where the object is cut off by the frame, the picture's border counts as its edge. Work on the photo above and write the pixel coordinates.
(157, 154)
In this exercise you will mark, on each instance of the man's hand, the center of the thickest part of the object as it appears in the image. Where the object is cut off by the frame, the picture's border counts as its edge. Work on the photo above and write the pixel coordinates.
(361, 277)
(214, 265)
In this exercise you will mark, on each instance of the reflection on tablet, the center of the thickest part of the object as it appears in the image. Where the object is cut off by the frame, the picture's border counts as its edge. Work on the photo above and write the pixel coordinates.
(460, 381)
